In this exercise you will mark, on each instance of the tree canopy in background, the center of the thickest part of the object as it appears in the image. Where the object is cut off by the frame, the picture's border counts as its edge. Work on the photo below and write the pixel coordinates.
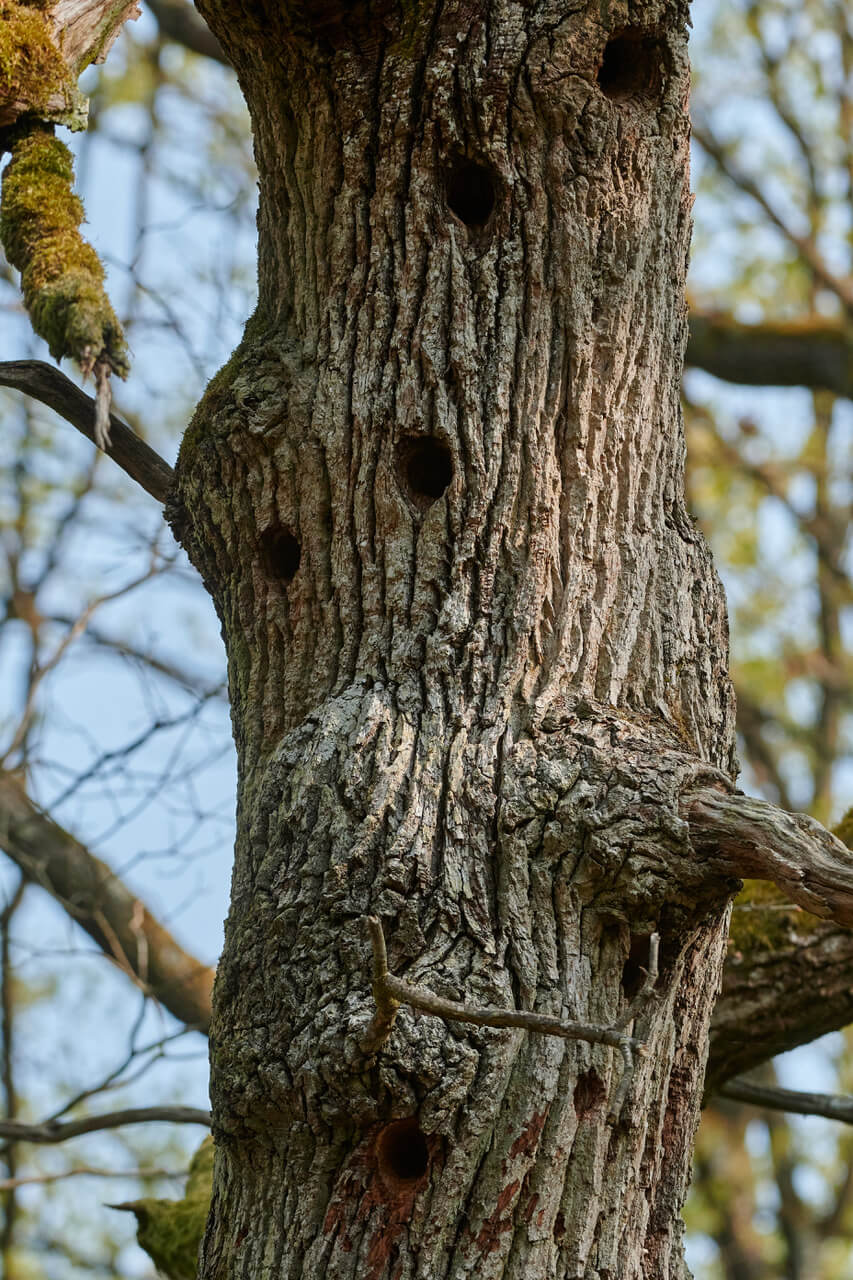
(114, 719)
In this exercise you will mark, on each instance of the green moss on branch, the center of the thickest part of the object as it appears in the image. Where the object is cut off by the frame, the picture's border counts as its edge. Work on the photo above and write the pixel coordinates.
(32, 70)
(170, 1231)
(62, 278)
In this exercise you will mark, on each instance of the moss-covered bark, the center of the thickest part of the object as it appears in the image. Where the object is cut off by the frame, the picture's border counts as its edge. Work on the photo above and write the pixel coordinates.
(62, 278)
(32, 69)
(44, 45)
(170, 1231)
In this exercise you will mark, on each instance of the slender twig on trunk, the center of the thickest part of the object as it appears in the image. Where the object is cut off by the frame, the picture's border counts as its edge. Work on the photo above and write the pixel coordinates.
(390, 992)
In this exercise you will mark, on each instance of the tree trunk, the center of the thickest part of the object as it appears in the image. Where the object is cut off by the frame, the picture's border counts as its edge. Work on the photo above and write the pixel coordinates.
(477, 649)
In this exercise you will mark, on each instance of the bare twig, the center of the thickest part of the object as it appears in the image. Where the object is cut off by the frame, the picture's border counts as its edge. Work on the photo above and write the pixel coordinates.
(390, 992)
(804, 245)
(74, 632)
(84, 1171)
(831, 1106)
(51, 1131)
(123, 648)
(41, 381)
(115, 1078)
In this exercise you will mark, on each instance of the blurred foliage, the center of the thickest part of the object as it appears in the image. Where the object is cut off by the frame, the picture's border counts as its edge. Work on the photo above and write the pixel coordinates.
(770, 483)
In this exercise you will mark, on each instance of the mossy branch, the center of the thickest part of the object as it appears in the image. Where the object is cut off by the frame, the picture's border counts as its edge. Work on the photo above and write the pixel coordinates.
(62, 278)
(170, 1231)
(34, 76)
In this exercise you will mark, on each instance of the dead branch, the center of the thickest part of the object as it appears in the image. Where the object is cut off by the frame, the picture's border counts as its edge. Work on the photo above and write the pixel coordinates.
(831, 1106)
(740, 836)
(103, 905)
(390, 992)
(46, 384)
(52, 1131)
(804, 245)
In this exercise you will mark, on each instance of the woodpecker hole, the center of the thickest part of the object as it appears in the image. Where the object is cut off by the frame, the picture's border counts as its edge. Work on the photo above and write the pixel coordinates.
(426, 468)
(589, 1093)
(402, 1153)
(632, 66)
(471, 193)
(634, 969)
(282, 554)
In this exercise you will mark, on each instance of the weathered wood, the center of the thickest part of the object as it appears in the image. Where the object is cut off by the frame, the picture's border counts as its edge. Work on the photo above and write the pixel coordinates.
(46, 46)
(744, 836)
(477, 649)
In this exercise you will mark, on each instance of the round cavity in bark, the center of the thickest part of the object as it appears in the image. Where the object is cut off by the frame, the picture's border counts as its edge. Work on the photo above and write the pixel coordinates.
(402, 1153)
(632, 66)
(471, 193)
(426, 468)
(634, 969)
(589, 1093)
(282, 553)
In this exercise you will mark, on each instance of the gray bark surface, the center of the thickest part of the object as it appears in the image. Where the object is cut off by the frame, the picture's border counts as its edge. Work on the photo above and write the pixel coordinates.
(477, 649)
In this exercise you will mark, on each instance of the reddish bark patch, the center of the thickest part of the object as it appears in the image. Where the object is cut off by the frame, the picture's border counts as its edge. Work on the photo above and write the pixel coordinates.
(334, 1217)
(496, 1224)
(527, 1141)
(385, 1174)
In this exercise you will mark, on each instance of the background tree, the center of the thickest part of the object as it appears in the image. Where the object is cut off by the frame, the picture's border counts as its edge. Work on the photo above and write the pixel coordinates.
(834, 1014)
(770, 475)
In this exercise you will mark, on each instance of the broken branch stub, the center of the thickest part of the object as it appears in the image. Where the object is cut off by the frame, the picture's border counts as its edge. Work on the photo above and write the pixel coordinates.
(741, 836)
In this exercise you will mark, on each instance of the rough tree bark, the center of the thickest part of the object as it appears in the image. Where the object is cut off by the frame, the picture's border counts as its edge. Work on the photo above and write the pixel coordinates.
(477, 649)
